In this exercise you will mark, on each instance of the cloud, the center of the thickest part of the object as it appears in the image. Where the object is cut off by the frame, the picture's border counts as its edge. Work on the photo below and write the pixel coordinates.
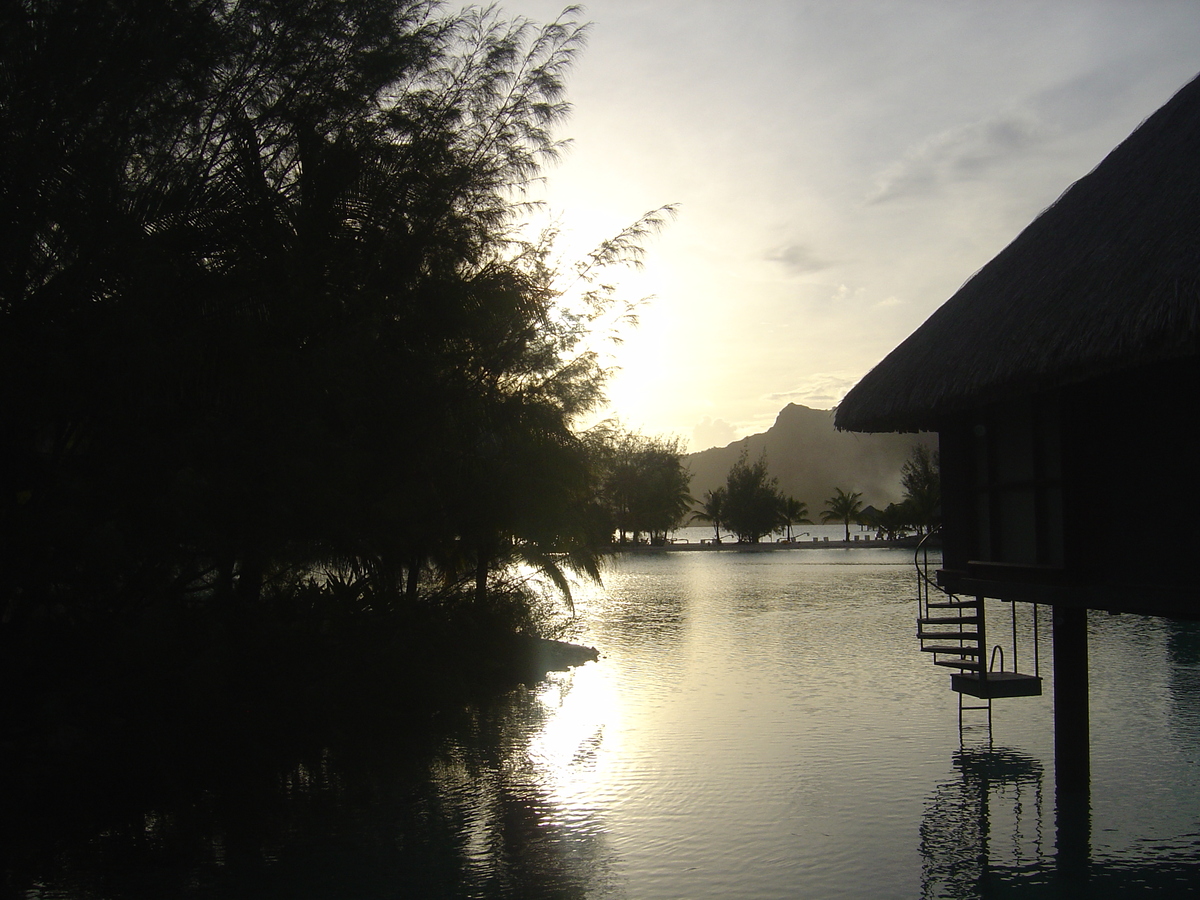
(711, 432)
(823, 390)
(844, 293)
(962, 153)
(798, 259)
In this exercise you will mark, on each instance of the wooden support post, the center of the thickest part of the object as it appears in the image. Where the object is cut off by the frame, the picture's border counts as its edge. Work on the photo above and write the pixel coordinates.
(1071, 742)
(1072, 772)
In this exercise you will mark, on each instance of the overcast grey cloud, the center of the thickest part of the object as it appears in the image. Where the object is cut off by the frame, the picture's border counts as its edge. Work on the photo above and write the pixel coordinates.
(965, 152)
(797, 259)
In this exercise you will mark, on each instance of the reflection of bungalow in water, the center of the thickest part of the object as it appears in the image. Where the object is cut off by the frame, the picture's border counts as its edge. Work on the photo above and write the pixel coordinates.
(1062, 381)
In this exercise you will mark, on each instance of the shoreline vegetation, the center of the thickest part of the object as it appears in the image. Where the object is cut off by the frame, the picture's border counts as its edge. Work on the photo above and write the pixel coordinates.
(144, 694)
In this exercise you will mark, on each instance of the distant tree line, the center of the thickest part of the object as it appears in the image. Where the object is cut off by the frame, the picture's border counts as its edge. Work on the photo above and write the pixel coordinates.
(264, 309)
(751, 506)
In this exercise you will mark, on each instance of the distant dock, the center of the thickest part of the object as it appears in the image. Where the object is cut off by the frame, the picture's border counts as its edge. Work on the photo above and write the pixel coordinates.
(858, 542)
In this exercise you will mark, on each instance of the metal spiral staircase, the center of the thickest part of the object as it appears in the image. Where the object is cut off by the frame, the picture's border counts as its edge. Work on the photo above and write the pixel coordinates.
(954, 630)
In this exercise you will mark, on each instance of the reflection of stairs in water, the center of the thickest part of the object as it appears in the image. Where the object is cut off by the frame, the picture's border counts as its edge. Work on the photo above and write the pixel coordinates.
(954, 630)
(983, 833)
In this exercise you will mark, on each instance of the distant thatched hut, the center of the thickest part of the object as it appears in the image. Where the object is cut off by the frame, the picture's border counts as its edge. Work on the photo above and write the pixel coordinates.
(1062, 379)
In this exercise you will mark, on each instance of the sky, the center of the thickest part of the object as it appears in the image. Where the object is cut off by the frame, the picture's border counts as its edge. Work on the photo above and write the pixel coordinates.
(840, 168)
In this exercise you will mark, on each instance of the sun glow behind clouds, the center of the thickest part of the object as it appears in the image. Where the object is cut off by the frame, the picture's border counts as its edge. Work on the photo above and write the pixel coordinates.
(646, 336)
(893, 147)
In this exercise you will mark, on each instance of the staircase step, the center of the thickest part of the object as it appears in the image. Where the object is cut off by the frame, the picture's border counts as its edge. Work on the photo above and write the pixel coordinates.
(948, 635)
(949, 620)
(996, 684)
(961, 651)
(972, 664)
(952, 604)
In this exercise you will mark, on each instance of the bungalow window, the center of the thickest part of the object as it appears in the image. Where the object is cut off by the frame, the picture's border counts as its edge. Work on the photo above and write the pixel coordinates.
(1018, 483)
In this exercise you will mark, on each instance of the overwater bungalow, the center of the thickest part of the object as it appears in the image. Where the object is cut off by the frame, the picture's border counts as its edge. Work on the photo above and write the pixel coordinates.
(1062, 382)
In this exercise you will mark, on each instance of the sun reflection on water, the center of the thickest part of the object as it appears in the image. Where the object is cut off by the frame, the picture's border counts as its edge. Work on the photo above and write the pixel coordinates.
(578, 739)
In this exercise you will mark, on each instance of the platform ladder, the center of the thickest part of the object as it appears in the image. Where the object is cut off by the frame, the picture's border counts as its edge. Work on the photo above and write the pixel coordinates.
(954, 630)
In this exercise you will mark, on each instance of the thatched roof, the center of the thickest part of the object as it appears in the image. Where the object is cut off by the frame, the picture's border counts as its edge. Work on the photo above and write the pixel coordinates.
(1107, 278)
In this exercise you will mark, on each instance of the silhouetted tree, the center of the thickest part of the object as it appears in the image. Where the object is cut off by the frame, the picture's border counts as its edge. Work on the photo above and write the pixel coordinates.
(751, 507)
(645, 484)
(920, 477)
(261, 305)
(892, 519)
(842, 507)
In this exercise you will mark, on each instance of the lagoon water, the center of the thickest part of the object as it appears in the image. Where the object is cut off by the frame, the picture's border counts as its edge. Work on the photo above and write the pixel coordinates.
(759, 725)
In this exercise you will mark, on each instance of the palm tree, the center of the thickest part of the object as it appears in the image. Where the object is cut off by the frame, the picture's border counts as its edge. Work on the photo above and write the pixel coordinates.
(714, 510)
(793, 512)
(842, 508)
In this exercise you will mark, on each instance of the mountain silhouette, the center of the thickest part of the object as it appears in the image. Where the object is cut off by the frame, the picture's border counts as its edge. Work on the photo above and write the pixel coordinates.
(810, 458)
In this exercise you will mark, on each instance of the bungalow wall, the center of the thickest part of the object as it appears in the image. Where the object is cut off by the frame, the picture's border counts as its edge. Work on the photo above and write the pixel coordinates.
(1085, 495)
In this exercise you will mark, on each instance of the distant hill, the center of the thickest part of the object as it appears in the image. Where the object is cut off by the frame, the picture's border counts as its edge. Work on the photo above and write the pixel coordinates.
(810, 458)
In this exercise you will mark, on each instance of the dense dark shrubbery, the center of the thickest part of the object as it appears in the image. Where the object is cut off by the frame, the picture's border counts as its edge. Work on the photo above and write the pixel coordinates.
(298, 669)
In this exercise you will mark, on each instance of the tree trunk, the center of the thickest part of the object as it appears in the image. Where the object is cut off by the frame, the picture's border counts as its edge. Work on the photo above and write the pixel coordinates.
(249, 578)
(412, 579)
(481, 576)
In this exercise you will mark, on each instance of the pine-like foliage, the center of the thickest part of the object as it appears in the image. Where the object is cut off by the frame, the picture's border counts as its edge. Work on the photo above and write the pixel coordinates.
(261, 305)
(752, 500)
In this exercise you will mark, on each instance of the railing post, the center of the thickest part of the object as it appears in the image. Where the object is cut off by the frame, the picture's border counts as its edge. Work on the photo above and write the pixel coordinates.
(1036, 655)
(982, 629)
(1016, 668)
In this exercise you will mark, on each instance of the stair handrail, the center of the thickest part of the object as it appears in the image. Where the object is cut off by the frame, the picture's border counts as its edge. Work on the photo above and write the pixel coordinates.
(992, 662)
(921, 563)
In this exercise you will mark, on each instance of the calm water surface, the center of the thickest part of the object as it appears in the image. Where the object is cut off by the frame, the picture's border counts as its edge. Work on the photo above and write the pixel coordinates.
(759, 725)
